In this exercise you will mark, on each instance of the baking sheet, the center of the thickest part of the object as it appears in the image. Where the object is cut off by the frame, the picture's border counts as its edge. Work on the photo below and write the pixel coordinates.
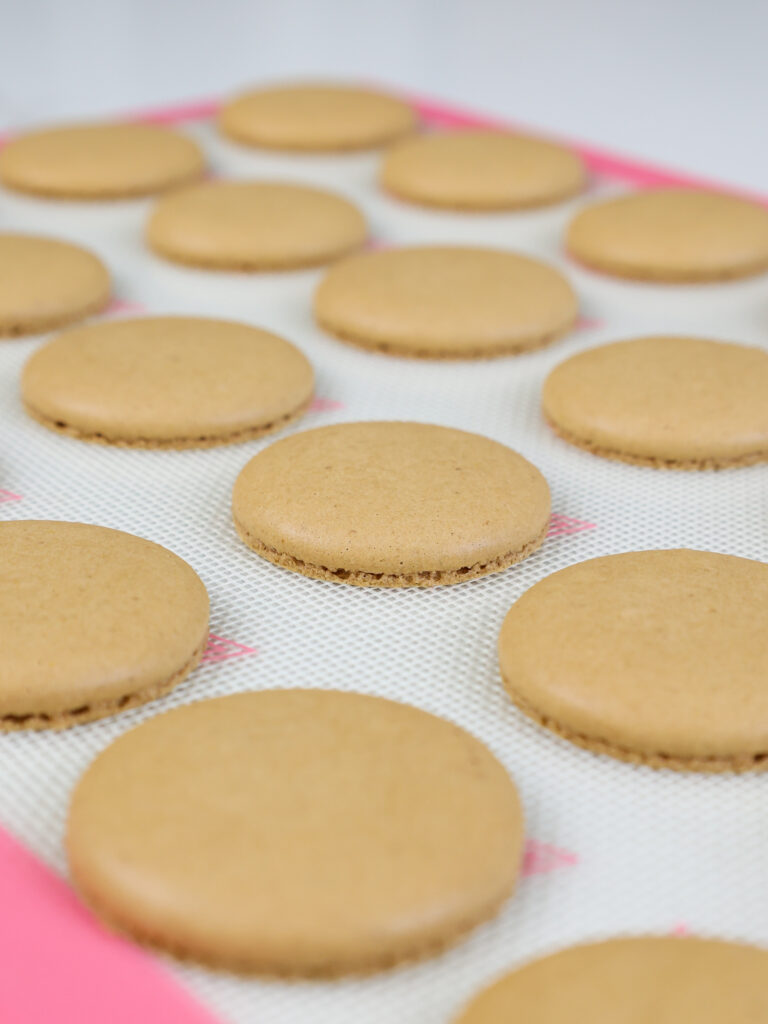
(615, 848)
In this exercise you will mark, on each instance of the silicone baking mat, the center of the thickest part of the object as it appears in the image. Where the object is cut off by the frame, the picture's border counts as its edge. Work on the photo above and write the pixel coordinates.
(612, 848)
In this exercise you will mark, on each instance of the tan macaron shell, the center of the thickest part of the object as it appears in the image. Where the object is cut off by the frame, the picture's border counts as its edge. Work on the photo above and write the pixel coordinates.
(445, 302)
(655, 657)
(672, 235)
(92, 621)
(99, 161)
(167, 382)
(244, 225)
(298, 832)
(390, 504)
(481, 171)
(632, 981)
(667, 402)
(316, 118)
(45, 283)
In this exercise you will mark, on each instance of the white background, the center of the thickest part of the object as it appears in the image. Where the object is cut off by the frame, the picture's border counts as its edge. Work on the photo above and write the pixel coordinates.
(683, 82)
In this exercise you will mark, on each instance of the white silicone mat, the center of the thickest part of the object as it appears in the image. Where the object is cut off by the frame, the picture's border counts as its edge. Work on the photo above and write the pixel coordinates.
(616, 849)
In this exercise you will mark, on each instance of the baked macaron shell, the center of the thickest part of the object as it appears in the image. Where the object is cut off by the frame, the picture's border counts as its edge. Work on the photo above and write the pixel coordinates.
(46, 283)
(245, 225)
(99, 161)
(275, 832)
(316, 117)
(446, 302)
(391, 504)
(671, 402)
(92, 620)
(672, 235)
(481, 171)
(167, 382)
(660, 658)
(648, 980)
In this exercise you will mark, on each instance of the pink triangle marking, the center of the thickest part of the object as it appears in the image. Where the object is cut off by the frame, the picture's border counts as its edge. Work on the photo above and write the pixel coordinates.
(123, 306)
(541, 858)
(681, 929)
(560, 525)
(588, 323)
(219, 648)
(8, 496)
(326, 405)
(59, 964)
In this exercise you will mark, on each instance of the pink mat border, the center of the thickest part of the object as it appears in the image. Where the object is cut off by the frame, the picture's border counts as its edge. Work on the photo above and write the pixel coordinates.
(58, 964)
(601, 162)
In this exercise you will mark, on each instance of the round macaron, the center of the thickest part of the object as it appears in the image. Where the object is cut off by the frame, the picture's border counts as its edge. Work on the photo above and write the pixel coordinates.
(632, 981)
(672, 235)
(296, 832)
(660, 658)
(245, 225)
(167, 382)
(481, 171)
(445, 302)
(391, 505)
(319, 118)
(99, 161)
(92, 622)
(45, 283)
(667, 402)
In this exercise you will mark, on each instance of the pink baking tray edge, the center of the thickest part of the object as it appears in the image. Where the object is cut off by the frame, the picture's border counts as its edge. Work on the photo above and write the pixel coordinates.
(57, 963)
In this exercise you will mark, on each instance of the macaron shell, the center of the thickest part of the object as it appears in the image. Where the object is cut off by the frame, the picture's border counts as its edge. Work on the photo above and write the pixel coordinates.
(660, 658)
(316, 118)
(91, 620)
(167, 382)
(481, 170)
(632, 981)
(45, 283)
(671, 402)
(445, 302)
(674, 235)
(254, 226)
(99, 161)
(274, 832)
(391, 504)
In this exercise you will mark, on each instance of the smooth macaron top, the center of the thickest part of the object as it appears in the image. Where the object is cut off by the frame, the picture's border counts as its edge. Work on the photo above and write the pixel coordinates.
(89, 616)
(672, 234)
(660, 657)
(481, 171)
(445, 301)
(45, 283)
(665, 400)
(316, 117)
(167, 381)
(99, 161)
(648, 980)
(254, 225)
(296, 832)
(391, 498)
